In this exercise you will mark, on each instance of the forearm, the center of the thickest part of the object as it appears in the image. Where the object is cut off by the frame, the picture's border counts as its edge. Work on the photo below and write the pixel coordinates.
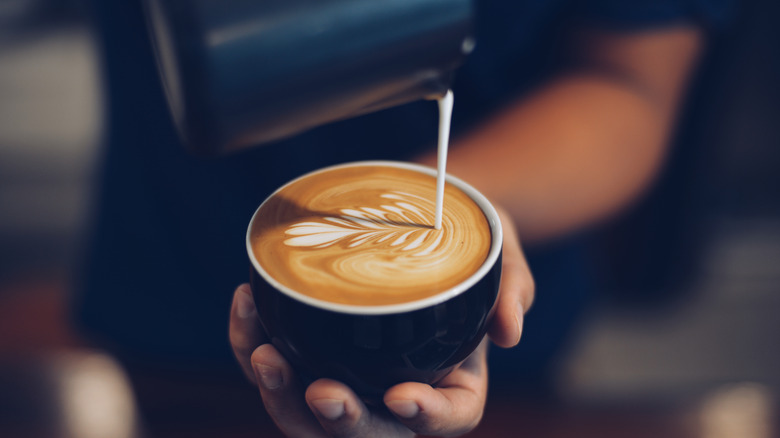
(572, 153)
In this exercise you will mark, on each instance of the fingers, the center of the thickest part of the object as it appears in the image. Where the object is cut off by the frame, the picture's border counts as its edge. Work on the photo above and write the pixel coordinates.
(328, 408)
(453, 408)
(343, 415)
(245, 331)
(282, 394)
(516, 292)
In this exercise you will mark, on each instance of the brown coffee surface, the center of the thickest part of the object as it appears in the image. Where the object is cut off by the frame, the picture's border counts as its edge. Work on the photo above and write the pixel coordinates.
(363, 235)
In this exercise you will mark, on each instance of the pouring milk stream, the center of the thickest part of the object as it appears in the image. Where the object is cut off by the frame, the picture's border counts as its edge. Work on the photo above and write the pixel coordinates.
(445, 117)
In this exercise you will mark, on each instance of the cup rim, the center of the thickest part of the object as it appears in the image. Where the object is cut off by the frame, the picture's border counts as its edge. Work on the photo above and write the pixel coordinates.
(487, 209)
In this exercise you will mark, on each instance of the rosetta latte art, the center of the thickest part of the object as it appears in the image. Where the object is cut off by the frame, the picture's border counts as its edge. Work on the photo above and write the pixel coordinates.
(367, 226)
(365, 236)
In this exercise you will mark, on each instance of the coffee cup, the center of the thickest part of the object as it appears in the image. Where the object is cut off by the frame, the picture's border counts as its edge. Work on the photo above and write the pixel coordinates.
(353, 283)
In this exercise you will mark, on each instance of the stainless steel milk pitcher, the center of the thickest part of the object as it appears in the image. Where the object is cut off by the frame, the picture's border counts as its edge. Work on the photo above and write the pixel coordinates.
(238, 73)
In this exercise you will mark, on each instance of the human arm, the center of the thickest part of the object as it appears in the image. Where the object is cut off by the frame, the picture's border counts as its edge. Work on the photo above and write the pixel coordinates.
(544, 159)
(589, 141)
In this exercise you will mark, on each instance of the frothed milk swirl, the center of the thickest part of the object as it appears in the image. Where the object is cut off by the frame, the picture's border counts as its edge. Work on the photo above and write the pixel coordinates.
(364, 235)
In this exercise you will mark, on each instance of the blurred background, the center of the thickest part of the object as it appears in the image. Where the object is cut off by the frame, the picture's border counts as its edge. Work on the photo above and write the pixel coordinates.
(683, 340)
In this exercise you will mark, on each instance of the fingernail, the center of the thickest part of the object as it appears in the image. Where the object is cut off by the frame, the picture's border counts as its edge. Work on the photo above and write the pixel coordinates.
(404, 408)
(519, 319)
(245, 307)
(270, 377)
(329, 408)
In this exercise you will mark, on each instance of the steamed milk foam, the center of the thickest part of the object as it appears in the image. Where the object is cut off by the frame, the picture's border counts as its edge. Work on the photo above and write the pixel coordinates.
(372, 235)
(364, 235)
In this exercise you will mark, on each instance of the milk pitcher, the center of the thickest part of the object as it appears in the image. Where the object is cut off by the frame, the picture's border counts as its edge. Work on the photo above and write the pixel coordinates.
(238, 73)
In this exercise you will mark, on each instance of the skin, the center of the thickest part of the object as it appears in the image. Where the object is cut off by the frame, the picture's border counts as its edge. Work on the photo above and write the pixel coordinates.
(574, 152)
(589, 142)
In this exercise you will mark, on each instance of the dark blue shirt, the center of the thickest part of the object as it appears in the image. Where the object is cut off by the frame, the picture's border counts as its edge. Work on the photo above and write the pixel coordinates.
(167, 245)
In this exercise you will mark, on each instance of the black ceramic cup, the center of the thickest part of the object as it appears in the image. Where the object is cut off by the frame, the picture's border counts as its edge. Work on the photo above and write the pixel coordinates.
(371, 348)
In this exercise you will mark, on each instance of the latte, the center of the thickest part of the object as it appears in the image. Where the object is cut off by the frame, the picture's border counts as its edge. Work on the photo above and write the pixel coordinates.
(363, 235)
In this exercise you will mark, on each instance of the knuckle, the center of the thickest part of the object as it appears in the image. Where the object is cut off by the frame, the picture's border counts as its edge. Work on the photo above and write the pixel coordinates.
(528, 298)
(528, 292)
(475, 422)
(240, 341)
(531, 284)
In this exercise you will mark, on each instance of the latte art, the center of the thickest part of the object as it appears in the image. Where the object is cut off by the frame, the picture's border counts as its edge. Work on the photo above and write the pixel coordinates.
(364, 235)
(368, 226)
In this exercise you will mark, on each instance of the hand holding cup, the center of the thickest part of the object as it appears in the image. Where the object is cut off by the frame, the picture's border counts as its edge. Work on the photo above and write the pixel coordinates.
(428, 342)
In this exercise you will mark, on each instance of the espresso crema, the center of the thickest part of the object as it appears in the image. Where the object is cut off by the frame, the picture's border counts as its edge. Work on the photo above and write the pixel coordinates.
(363, 235)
